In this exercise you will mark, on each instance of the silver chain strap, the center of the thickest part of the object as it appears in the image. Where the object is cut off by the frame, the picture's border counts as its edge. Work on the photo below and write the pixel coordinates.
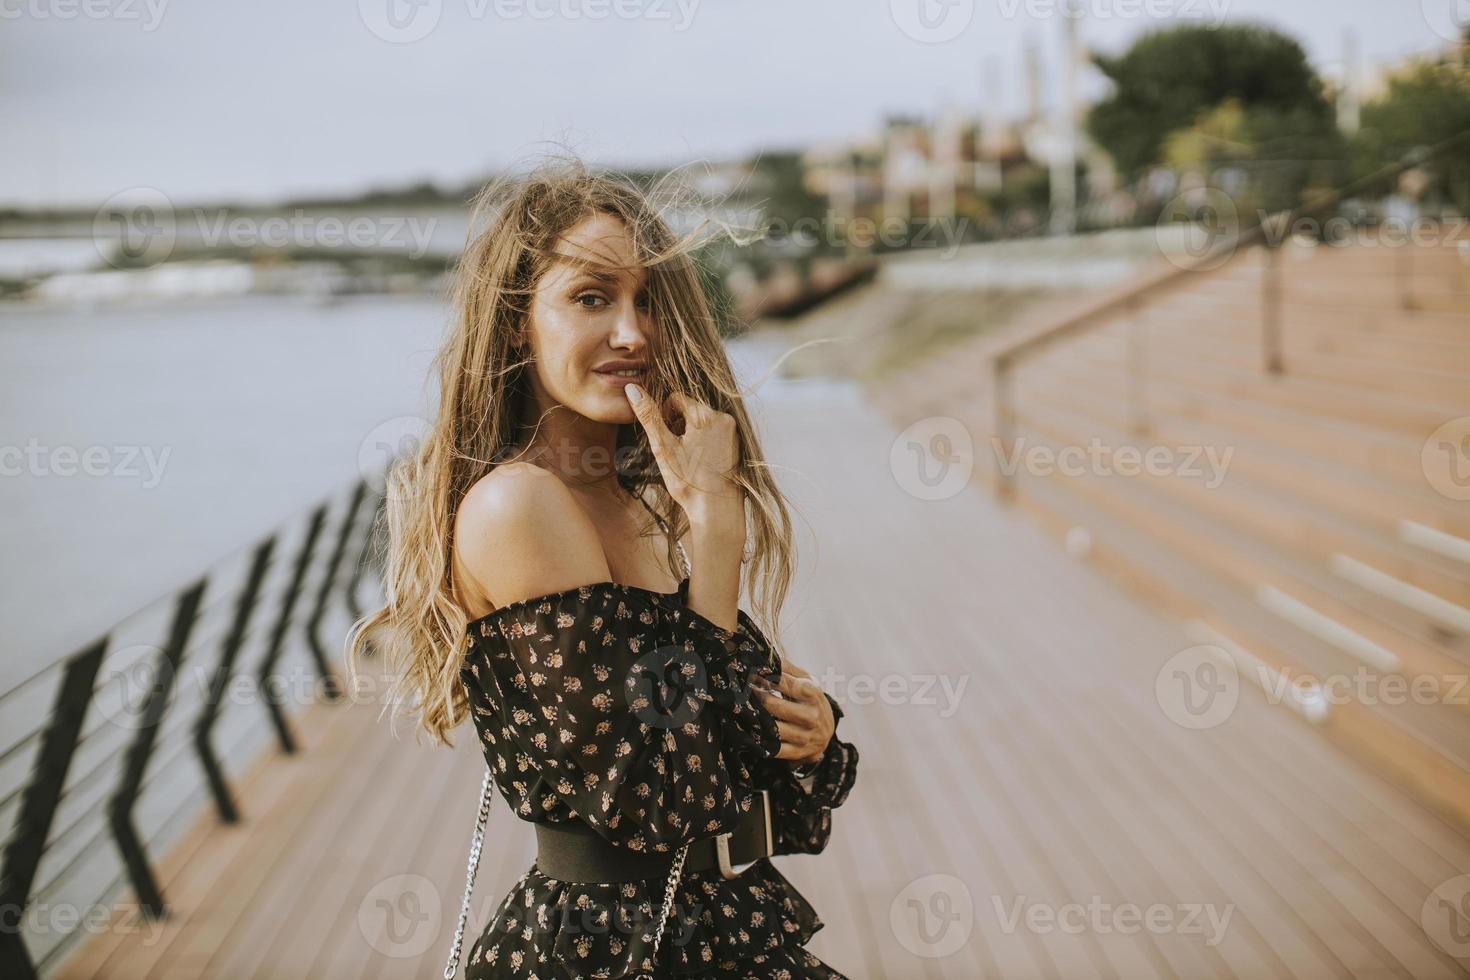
(452, 967)
(676, 873)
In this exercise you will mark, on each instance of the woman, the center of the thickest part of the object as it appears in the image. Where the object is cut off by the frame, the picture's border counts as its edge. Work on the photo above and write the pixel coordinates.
(589, 424)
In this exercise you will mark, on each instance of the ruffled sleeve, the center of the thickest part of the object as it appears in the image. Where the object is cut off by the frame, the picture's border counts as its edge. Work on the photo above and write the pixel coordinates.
(625, 708)
(804, 805)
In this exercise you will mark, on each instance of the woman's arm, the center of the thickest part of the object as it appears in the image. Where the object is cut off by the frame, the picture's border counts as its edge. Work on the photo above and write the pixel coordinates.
(716, 541)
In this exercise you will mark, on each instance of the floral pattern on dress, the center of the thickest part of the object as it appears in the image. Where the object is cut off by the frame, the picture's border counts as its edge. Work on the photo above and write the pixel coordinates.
(624, 708)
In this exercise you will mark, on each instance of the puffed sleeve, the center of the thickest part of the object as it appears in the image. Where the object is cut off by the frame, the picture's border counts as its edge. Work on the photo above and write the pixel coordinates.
(633, 709)
(803, 805)
(803, 798)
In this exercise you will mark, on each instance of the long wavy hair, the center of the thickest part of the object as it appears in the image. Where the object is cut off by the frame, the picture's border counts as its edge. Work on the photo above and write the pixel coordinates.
(484, 392)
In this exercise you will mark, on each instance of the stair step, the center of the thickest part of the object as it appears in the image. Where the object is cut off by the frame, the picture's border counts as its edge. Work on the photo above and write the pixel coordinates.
(1383, 737)
(1304, 544)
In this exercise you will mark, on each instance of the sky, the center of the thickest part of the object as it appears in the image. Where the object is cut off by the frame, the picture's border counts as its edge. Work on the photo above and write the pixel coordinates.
(253, 101)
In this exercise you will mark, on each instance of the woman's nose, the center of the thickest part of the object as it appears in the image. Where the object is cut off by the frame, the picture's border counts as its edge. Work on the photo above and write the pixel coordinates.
(630, 329)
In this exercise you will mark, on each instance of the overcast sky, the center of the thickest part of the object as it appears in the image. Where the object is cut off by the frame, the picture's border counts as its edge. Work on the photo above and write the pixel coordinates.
(254, 99)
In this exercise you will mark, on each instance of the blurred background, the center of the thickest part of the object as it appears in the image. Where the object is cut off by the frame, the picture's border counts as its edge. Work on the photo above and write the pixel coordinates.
(1115, 353)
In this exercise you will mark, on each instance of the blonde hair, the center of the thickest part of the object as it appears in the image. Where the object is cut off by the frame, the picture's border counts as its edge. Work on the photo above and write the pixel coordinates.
(483, 390)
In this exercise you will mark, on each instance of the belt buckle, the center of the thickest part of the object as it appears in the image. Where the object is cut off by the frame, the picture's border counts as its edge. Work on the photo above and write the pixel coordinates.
(722, 841)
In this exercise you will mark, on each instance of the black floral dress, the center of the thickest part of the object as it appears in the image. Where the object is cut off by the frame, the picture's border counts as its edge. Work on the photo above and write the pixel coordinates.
(574, 727)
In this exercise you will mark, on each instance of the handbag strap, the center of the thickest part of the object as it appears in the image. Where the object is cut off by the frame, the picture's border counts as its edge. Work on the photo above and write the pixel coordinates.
(676, 872)
(452, 967)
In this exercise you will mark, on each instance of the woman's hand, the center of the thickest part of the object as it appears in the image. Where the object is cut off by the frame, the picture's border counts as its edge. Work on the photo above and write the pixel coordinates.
(695, 466)
(803, 716)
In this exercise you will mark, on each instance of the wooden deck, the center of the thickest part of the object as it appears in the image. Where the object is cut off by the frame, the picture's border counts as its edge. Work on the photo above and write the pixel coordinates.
(1051, 822)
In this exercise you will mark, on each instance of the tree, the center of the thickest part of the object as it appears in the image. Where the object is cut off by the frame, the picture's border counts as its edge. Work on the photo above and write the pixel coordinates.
(1427, 106)
(1173, 79)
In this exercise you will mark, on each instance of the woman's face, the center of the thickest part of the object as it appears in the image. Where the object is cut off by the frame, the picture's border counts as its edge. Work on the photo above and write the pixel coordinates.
(587, 322)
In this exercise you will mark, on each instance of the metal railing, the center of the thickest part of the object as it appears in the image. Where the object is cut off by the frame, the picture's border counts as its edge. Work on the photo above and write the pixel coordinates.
(1128, 300)
(80, 771)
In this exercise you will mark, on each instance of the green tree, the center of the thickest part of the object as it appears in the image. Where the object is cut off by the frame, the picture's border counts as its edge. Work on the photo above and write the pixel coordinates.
(1426, 107)
(1174, 79)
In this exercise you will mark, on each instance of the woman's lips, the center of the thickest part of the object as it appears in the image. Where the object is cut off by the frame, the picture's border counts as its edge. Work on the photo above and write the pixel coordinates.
(622, 379)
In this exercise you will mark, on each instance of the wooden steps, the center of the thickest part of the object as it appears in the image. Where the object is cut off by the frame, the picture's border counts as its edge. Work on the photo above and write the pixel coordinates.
(1305, 539)
(1407, 746)
(1319, 547)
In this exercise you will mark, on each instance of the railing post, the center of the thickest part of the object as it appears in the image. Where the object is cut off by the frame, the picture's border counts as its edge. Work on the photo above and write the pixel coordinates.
(1271, 308)
(1003, 401)
(1403, 273)
(219, 683)
(38, 803)
(266, 674)
(1137, 367)
(324, 593)
(126, 795)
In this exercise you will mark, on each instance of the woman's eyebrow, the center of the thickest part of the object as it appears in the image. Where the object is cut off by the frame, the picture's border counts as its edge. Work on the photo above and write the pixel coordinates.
(601, 273)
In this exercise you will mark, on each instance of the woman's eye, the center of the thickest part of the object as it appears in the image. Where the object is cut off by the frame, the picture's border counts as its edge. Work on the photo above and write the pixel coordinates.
(590, 296)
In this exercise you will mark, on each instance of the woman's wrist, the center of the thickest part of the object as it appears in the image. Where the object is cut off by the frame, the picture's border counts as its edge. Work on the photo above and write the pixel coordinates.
(713, 513)
(716, 539)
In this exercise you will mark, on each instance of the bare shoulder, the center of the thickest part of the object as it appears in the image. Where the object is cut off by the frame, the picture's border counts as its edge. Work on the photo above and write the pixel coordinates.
(519, 532)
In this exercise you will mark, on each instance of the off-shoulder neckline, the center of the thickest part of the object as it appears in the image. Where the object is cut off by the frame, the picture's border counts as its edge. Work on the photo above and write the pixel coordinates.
(562, 593)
